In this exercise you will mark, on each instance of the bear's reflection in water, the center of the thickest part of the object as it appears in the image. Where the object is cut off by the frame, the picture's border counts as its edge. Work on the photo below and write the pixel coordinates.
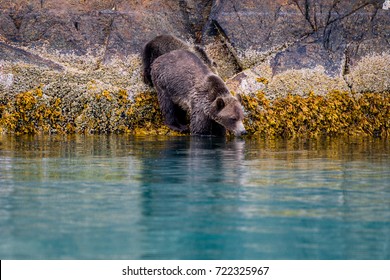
(184, 186)
(183, 167)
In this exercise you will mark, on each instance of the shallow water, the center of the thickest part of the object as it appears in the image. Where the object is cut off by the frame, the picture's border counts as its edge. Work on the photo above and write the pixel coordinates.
(118, 197)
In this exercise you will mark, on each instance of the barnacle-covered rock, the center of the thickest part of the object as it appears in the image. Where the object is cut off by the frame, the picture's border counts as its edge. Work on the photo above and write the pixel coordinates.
(334, 114)
(303, 68)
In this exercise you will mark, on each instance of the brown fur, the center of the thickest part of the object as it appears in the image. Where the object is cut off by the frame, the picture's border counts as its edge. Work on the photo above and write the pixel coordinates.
(164, 44)
(186, 85)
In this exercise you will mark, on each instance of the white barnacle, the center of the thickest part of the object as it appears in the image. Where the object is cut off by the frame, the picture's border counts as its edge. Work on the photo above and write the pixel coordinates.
(386, 5)
(6, 80)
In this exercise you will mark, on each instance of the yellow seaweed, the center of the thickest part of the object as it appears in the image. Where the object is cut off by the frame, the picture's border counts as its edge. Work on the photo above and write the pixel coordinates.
(337, 113)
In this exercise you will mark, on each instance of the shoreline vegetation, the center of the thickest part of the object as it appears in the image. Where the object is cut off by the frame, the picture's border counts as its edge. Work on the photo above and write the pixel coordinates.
(338, 113)
(304, 71)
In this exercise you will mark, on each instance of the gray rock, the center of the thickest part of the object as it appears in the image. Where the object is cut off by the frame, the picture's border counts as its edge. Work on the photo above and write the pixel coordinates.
(15, 55)
(81, 37)
(121, 28)
(298, 34)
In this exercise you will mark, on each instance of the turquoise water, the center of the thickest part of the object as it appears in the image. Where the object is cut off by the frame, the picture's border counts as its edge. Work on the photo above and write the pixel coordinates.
(118, 197)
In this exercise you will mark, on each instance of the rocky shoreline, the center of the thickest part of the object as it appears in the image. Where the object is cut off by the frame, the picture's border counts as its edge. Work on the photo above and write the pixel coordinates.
(74, 66)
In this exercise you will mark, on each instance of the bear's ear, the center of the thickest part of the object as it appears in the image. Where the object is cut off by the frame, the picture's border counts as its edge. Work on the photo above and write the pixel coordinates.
(220, 103)
(215, 87)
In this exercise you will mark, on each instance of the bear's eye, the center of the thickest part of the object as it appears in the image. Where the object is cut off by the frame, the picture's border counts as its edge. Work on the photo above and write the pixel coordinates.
(233, 119)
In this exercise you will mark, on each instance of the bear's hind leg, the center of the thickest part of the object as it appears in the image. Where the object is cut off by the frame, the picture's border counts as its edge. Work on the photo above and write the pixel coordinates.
(147, 59)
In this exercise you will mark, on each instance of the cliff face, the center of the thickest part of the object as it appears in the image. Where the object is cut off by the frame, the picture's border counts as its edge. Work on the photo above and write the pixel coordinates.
(333, 36)
(100, 28)
(304, 45)
(72, 48)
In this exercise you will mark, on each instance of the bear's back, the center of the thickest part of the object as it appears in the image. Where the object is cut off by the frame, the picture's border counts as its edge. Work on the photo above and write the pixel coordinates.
(179, 74)
(179, 62)
(179, 71)
(166, 43)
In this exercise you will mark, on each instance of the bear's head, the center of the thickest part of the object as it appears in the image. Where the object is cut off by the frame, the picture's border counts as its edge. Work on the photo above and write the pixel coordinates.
(225, 108)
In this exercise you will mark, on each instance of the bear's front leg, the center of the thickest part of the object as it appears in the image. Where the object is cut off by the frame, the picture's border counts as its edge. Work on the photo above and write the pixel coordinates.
(200, 123)
(174, 116)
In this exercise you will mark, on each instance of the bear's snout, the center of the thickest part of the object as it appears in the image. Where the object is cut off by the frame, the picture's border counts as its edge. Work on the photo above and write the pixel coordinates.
(240, 130)
(244, 132)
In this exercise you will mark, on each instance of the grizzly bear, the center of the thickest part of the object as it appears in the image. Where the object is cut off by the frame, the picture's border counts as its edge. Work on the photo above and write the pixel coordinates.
(185, 85)
(164, 44)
